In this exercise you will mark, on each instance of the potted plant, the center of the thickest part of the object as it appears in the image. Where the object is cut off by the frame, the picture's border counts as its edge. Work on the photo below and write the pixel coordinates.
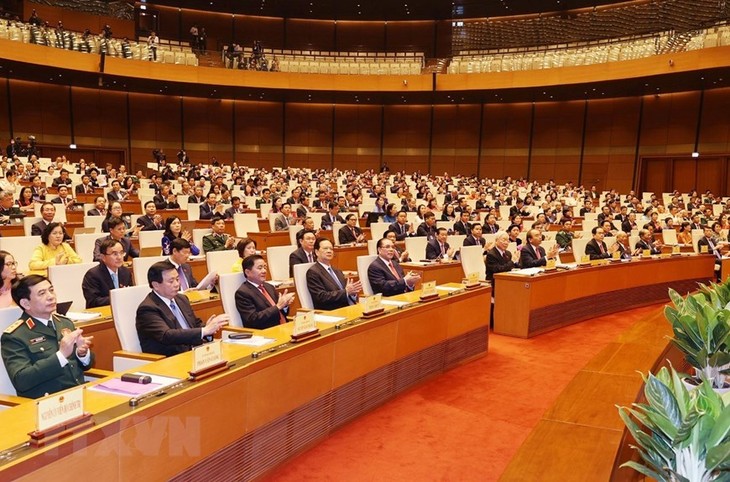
(681, 435)
(701, 327)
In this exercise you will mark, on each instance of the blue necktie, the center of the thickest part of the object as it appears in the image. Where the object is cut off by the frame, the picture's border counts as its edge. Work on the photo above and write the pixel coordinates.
(332, 273)
(115, 280)
(178, 315)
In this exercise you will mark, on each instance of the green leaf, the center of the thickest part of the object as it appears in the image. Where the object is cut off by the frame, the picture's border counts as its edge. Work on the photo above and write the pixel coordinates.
(721, 429)
(645, 470)
(662, 399)
(717, 455)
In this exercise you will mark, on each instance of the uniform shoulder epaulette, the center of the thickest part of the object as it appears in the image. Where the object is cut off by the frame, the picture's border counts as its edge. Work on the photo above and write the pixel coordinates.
(14, 326)
(56, 317)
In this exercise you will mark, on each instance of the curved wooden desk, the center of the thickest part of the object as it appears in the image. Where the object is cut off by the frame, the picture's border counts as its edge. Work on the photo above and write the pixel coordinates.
(526, 306)
(243, 422)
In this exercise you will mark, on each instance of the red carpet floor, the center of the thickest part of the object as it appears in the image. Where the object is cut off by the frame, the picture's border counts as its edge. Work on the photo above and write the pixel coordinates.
(466, 424)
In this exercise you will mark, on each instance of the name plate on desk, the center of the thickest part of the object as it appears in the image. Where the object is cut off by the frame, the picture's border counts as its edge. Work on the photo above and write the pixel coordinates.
(207, 360)
(372, 305)
(551, 265)
(675, 250)
(197, 295)
(59, 409)
(585, 259)
(616, 255)
(428, 291)
(703, 249)
(471, 280)
(646, 253)
(305, 326)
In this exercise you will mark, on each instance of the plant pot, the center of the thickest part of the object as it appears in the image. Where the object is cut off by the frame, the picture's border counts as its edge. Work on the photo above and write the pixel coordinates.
(691, 383)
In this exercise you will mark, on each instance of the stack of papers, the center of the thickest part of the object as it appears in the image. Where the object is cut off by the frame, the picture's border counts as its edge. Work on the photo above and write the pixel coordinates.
(116, 386)
(83, 315)
(527, 271)
(255, 340)
(327, 319)
(394, 303)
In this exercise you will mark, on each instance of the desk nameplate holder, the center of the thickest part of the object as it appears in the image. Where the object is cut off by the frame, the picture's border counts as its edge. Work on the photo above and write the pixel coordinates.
(471, 281)
(551, 265)
(428, 291)
(207, 361)
(305, 328)
(59, 416)
(372, 306)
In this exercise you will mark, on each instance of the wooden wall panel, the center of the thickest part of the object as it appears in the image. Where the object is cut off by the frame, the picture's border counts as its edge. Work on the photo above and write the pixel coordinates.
(411, 36)
(42, 111)
(360, 36)
(710, 175)
(406, 132)
(218, 27)
(208, 128)
(656, 175)
(310, 34)
(259, 133)
(505, 140)
(357, 137)
(715, 130)
(683, 175)
(557, 135)
(455, 144)
(669, 123)
(309, 135)
(5, 133)
(270, 31)
(100, 118)
(155, 124)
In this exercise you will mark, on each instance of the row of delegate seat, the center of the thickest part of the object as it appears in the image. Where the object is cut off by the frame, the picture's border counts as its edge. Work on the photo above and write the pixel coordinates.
(350, 68)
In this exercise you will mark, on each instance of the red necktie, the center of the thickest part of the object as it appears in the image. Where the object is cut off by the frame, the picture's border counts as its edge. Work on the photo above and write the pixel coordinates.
(392, 270)
(600, 246)
(268, 297)
(537, 253)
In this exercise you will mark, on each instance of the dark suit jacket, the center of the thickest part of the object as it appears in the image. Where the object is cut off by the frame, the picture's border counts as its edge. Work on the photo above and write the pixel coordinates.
(401, 232)
(159, 331)
(490, 229)
(98, 283)
(703, 241)
(346, 236)
(327, 221)
(433, 249)
(497, 263)
(472, 241)
(195, 200)
(80, 189)
(594, 251)
(383, 281)
(528, 257)
(299, 256)
(37, 230)
(114, 196)
(426, 230)
(129, 250)
(229, 212)
(147, 224)
(462, 228)
(326, 295)
(162, 203)
(303, 212)
(94, 212)
(627, 226)
(255, 310)
(206, 212)
(188, 272)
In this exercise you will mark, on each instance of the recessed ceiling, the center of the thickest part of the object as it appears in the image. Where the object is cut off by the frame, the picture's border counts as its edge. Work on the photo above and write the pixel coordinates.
(382, 9)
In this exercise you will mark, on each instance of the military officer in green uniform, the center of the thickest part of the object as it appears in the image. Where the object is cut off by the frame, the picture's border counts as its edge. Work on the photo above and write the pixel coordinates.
(43, 352)
(218, 240)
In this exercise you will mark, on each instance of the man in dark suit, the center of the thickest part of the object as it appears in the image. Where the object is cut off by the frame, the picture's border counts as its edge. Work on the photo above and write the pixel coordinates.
(438, 248)
(258, 303)
(462, 226)
(518, 209)
(401, 229)
(236, 208)
(107, 275)
(596, 248)
(197, 197)
(99, 208)
(165, 199)
(211, 207)
(351, 232)
(48, 211)
(428, 227)
(43, 352)
(327, 285)
(385, 273)
(166, 323)
(303, 210)
(62, 179)
(491, 226)
(710, 243)
(117, 229)
(305, 252)
(64, 198)
(475, 238)
(179, 256)
(332, 217)
(646, 241)
(151, 221)
(532, 254)
(85, 187)
(499, 260)
(116, 193)
(629, 224)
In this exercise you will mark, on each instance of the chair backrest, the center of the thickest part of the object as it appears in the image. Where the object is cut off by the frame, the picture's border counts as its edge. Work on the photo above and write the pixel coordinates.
(472, 261)
(7, 317)
(264, 209)
(697, 234)
(199, 234)
(416, 247)
(336, 232)
(293, 230)
(66, 280)
(272, 221)
(221, 261)
(377, 230)
(278, 260)
(28, 223)
(456, 241)
(300, 281)
(317, 218)
(228, 283)
(124, 303)
(141, 265)
(372, 246)
(21, 247)
(669, 236)
(84, 245)
(579, 247)
(93, 222)
(363, 263)
(245, 223)
(151, 239)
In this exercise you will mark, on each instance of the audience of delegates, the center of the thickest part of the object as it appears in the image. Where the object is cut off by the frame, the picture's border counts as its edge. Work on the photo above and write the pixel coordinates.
(109, 274)
(43, 352)
(218, 240)
(166, 322)
(245, 247)
(258, 302)
(53, 251)
(327, 285)
(173, 231)
(9, 275)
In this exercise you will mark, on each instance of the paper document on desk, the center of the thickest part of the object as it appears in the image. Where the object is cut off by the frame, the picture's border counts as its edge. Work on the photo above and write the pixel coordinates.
(327, 319)
(207, 281)
(566, 265)
(130, 389)
(527, 271)
(255, 340)
(448, 288)
(422, 263)
(83, 315)
(394, 303)
(276, 283)
(195, 258)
